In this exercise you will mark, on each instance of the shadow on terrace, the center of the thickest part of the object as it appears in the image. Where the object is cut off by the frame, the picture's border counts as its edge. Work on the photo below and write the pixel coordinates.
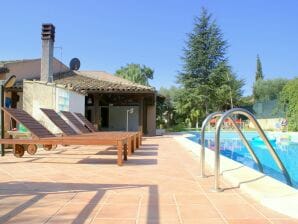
(137, 159)
(39, 195)
(27, 201)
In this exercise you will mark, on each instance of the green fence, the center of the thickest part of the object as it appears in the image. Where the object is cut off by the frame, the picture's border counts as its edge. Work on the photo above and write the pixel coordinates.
(268, 109)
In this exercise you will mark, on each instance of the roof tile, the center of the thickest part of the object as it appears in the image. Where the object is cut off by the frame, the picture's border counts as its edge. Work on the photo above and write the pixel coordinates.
(93, 81)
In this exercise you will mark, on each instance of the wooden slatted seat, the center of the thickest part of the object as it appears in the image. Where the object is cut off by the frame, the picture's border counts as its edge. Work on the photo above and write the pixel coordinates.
(75, 122)
(41, 135)
(88, 124)
(21, 116)
(59, 122)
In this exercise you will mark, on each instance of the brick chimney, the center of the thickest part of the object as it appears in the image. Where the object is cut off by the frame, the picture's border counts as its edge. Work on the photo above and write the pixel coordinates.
(48, 38)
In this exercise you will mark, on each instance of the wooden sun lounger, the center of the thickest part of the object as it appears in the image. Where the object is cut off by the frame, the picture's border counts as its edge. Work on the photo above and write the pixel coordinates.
(41, 135)
(75, 122)
(88, 124)
(83, 127)
(59, 121)
(69, 131)
(91, 128)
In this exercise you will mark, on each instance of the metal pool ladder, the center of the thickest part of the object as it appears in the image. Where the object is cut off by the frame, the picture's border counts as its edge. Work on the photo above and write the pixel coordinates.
(223, 117)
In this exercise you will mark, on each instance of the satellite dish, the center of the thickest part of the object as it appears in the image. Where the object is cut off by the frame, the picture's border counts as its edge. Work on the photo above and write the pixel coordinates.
(74, 64)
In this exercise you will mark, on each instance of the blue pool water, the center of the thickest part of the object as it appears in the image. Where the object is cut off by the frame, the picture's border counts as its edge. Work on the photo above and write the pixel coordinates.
(232, 147)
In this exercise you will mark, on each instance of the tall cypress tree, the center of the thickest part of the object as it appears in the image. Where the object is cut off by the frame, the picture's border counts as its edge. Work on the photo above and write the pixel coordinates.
(259, 72)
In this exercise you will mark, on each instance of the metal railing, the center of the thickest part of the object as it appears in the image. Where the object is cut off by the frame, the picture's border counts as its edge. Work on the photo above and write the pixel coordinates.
(204, 125)
(245, 142)
(223, 117)
(260, 131)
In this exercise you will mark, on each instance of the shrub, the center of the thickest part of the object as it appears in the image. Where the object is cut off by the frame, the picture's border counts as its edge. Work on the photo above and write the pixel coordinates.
(177, 128)
(264, 90)
(289, 99)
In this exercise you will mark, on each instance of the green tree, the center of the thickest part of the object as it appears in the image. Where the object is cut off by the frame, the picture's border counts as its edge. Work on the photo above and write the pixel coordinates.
(259, 72)
(226, 88)
(165, 106)
(136, 73)
(246, 101)
(265, 90)
(206, 80)
(289, 99)
(183, 103)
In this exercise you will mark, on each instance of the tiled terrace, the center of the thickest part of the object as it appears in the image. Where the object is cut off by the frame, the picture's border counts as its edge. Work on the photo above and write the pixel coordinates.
(158, 184)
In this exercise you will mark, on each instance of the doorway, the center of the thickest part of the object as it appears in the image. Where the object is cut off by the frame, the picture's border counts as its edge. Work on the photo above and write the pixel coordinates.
(104, 117)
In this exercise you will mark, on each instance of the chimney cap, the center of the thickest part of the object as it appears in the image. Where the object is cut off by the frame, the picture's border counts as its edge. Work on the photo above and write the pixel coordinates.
(48, 24)
(48, 31)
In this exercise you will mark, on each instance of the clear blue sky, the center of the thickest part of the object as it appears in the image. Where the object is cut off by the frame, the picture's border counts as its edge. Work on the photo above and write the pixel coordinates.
(106, 35)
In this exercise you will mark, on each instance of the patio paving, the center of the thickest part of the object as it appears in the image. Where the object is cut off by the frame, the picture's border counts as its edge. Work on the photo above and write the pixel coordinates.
(158, 184)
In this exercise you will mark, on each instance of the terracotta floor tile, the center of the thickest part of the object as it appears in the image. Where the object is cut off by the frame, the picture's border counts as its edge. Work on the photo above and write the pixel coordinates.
(14, 200)
(209, 189)
(225, 199)
(159, 211)
(118, 211)
(159, 221)
(238, 211)
(284, 221)
(248, 221)
(58, 197)
(158, 199)
(26, 219)
(78, 211)
(42, 210)
(123, 199)
(114, 221)
(197, 212)
(60, 219)
(205, 221)
(7, 210)
(89, 197)
(191, 199)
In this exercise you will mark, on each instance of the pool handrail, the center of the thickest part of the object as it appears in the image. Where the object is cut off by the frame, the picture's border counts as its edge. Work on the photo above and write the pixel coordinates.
(260, 131)
(247, 145)
(245, 142)
(204, 125)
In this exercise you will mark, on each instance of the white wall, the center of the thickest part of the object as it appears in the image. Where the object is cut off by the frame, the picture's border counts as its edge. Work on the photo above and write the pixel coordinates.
(77, 103)
(268, 124)
(118, 118)
(69, 101)
(38, 95)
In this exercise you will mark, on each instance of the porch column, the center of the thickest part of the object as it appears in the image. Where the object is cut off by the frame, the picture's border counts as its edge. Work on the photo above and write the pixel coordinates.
(151, 118)
(96, 110)
(141, 118)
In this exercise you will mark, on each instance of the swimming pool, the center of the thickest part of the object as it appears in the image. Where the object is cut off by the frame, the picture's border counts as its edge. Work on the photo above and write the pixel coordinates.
(232, 147)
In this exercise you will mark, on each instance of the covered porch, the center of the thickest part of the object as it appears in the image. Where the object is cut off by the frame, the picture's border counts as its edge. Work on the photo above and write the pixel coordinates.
(122, 111)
